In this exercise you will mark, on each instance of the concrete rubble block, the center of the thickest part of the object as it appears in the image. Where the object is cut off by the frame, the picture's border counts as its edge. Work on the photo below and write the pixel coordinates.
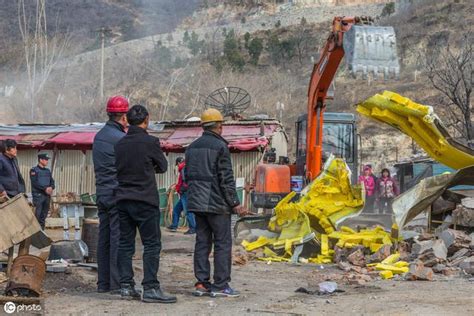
(468, 202)
(419, 272)
(463, 216)
(455, 240)
(380, 254)
(450, 271)
(463, 252)
(421, 246)
(438, 268)
(467, 265)
(471, 245)
(357, 258)
(436, 253)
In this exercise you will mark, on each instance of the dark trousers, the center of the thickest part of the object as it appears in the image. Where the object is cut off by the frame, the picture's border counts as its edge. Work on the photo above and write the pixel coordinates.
(385, 203)
(213, 230)
(145, 217)
(41, 203)
(182, 205)
(107, 247)
(369, 203)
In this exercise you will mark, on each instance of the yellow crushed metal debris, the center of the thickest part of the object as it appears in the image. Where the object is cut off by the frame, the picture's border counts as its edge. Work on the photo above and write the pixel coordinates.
(420, 123)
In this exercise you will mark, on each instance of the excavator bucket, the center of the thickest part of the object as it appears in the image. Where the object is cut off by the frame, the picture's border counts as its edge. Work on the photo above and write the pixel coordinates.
(371, 49)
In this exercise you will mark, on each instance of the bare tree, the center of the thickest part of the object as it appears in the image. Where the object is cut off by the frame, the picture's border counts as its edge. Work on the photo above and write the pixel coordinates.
(451, 72)
(41, 51)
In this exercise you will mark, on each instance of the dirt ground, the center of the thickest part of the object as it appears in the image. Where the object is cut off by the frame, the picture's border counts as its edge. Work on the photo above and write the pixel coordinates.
(266, 289)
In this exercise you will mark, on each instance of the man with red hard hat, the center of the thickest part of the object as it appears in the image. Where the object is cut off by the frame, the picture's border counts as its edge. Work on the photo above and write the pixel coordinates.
(103, 154)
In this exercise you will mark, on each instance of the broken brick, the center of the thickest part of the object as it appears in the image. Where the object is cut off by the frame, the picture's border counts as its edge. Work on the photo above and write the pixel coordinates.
(425, 236)
(419, 272)
(357, 258)
(340, 254)
(380, 254)
(450, 271)
(344, 266)
(404, 248)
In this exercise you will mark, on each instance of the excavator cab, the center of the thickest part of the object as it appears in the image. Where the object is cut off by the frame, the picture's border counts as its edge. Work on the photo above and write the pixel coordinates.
(339, 139)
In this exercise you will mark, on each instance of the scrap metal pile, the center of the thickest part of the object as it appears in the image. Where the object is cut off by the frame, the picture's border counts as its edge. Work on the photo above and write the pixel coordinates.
(305, 229)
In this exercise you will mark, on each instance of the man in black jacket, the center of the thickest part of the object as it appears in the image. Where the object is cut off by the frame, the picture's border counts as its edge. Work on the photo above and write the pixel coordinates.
(138, 158)
(11, 180)
(103, 155)
(212, 197)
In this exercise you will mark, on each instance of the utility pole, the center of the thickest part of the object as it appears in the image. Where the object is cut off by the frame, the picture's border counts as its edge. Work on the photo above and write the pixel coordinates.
(103, 33)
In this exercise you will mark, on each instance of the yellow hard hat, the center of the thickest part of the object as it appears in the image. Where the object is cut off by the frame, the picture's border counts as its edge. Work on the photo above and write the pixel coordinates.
(211, 115)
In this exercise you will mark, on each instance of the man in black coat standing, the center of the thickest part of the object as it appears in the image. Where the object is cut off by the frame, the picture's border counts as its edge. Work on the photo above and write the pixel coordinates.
(212, 197)
(11, 180)
(103, 155)
(138, 158)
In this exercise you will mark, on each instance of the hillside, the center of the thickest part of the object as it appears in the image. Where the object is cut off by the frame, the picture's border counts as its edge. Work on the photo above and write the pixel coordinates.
(172, 73)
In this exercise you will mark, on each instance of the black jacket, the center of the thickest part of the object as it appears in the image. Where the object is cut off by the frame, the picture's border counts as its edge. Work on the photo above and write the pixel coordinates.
(41, 179)
(103, 155)
(11, 180)
(138, 158)
(209, 175)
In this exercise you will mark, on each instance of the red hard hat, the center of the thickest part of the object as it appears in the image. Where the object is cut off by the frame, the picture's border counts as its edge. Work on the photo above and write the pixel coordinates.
(117, 104)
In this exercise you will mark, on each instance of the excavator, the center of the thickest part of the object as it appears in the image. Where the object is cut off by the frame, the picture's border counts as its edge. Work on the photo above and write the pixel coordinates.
(368, 50)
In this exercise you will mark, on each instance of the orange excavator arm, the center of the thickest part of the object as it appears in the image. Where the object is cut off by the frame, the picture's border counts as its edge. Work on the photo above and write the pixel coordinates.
(323, 73)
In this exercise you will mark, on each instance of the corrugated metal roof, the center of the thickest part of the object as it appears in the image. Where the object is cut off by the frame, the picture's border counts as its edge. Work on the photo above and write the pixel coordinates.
(245, 135)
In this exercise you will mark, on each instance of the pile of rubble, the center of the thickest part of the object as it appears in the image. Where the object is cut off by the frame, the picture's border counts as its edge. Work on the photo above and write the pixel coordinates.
(416, 258)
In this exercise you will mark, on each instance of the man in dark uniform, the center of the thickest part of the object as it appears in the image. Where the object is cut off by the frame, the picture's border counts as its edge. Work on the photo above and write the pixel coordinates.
(42, 186)
(11, 180)
(212, 197)
(138, 158)
(103, 155)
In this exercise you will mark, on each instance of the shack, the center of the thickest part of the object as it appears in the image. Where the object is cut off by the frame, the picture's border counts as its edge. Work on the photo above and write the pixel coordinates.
(70, 147)
(411, 172)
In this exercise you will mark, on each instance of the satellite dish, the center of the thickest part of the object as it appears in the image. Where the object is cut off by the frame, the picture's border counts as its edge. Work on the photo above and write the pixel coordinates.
(230, 101)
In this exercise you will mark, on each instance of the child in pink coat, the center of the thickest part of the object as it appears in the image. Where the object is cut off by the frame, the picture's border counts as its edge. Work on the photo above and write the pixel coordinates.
(369, 183)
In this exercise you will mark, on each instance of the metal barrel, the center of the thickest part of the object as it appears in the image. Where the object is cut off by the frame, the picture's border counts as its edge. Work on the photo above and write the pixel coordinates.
(371, 49)
(90, 235)
(26, 276)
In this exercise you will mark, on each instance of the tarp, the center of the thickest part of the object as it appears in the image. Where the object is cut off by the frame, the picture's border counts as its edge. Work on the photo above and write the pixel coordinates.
(420, 123)
(417, 200)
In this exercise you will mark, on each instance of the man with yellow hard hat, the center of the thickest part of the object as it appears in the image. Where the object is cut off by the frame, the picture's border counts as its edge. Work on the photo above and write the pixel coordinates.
(212, 197)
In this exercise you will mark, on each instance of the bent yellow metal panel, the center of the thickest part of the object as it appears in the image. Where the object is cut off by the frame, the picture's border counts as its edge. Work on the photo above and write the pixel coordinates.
(418, 122)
